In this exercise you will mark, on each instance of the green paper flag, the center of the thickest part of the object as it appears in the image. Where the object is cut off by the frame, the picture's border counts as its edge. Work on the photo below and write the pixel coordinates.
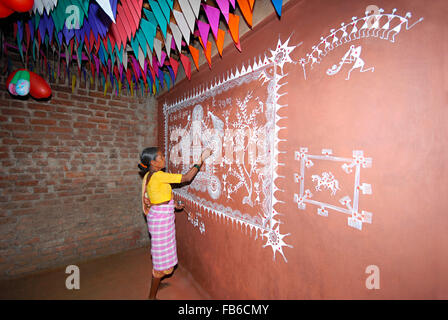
(165, 10)
(159, 16)
(142, 40)
(149, 30)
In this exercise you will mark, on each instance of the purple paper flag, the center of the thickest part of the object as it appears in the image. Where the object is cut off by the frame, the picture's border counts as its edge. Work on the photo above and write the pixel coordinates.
(120, 71)
(224, 7)
(213, 15)
(204, 29)
(155, 64)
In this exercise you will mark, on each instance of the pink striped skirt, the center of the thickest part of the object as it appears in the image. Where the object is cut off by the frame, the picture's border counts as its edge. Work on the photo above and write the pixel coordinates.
(162, 228)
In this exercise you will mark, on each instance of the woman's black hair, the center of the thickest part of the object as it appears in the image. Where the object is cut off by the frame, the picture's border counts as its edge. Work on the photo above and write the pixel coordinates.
(148, 155)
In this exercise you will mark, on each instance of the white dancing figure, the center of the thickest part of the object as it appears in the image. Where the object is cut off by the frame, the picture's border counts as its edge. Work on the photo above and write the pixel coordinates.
(353, 55)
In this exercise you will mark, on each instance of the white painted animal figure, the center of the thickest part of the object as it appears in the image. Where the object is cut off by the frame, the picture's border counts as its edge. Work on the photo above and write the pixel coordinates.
(327, 181)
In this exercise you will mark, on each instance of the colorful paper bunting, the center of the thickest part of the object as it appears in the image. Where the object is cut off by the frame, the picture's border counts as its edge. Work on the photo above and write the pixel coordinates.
(100, 35)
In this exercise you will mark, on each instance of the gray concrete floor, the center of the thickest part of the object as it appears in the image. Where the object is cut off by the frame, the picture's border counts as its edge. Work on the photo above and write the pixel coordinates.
(123, 276)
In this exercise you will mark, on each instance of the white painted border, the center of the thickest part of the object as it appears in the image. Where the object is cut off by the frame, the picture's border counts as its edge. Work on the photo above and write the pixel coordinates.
(358, 161)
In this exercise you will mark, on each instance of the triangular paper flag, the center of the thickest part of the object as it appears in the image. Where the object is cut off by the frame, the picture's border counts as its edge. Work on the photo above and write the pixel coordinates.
(141, 40)
(195, 55)
(149, 30)
(278, 6)
(158, 49)
(165, 9)
(177, 35)
(195, 6)
(106, 6)
(224, 7)
(212, 14)
(168, 41)
(159, 16)
(246, 10)
(183, 25)
(141, 57)
(232, 2)
(125, 59)
(208, 54)
(251, 4)
(175, 66)
(167, 80)
(186, 64)
(172, 75)
(188, 14)
(204, 29)
(234, 29)
(170, 3)
(220, 41)
(162, 59)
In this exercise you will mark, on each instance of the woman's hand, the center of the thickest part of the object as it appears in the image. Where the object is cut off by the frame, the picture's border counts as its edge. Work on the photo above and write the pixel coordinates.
(205, 154)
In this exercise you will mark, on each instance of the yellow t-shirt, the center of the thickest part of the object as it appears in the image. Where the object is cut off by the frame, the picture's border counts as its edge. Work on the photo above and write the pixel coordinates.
(159, 188)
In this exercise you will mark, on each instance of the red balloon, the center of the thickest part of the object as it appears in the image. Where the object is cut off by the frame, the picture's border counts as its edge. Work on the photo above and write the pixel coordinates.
(39, 88)
(18, 5)
(4, 11)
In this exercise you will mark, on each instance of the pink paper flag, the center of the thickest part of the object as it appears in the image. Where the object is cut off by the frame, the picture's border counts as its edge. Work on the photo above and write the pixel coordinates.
(232, 2)
(204, 29)
(213, 15)
(162, 59)
(224, 7)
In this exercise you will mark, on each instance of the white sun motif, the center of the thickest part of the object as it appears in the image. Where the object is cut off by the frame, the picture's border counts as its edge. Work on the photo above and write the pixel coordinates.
(275, 240)
(281, 54)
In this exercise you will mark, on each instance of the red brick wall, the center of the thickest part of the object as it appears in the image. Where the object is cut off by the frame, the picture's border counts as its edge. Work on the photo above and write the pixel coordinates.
(69, 183)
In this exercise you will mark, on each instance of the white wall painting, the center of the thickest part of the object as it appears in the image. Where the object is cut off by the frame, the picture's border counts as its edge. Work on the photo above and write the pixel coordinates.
(228, 123)
(194, 220)
(345, 203)
(352, 56)
(380, 25)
